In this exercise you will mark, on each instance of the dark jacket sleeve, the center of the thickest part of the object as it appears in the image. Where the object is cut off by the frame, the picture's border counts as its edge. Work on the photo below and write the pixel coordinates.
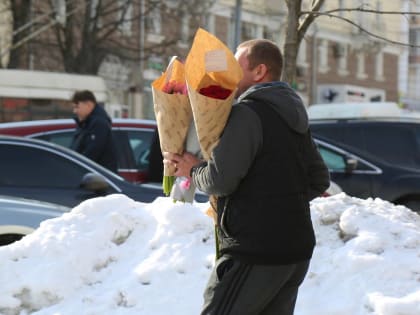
(233, 155)
(318, 175)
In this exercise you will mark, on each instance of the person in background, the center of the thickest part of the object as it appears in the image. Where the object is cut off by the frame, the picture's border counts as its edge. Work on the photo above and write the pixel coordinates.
(264, 171)
(155, 170)
(93, 137)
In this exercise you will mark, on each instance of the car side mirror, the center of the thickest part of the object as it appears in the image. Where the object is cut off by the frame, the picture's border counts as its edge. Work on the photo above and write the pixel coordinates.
(94, 182)
(351, 164)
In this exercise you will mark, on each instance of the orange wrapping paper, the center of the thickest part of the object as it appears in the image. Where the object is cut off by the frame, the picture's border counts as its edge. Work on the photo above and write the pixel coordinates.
(210, 62)
(173, 112)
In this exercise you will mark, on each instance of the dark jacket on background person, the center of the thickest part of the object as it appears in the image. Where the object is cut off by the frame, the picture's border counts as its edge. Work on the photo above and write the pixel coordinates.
(155, 170)
(93, 138)
(271, 170)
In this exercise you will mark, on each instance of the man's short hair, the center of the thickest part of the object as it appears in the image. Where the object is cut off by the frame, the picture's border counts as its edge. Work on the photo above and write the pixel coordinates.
(83, 96)
(264, 51)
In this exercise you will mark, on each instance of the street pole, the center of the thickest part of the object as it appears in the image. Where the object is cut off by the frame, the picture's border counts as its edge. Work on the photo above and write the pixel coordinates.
(314, 69)
(30, 52)
(141, 41)
(137, 106)
(238, 12)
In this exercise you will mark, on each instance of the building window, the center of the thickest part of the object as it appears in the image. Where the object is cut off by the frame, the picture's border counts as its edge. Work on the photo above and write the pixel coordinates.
(379, 66)
(249, 31)
(94, 6)
(341, 54)
(185, 29)
(154, 21)
(414, 39)
(323, 56)
(210, 23)
(125, 16)
(60, 11)
(272, 34)
(95, 13)
(302, 55)
(259, 31)
(361, 74)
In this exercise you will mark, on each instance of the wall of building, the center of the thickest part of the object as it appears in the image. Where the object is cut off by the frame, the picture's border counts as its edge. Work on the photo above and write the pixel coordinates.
(343, 55)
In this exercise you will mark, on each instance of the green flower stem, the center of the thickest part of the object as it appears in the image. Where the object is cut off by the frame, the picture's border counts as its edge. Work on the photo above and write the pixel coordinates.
(167, 183)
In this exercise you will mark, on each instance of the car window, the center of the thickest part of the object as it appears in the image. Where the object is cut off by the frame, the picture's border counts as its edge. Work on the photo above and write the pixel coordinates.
(336, 161)
(394, 143)
(133, 146)
(391, 141)
(140, 142)
(62, 138)
(333, 160)
(35, 167)
(345, 132)
(124, 152)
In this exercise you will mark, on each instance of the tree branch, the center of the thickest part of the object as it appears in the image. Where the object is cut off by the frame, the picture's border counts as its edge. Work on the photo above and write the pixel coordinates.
(35, 33)
(317, 14)
(360, 9)
(304, 25)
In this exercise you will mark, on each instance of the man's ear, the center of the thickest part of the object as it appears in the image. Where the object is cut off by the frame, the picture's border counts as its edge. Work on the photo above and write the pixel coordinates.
(91, 105)
(260, 72)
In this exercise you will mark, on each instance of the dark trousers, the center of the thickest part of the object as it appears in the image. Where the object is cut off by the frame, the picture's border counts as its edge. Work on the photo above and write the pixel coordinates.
(236, 288)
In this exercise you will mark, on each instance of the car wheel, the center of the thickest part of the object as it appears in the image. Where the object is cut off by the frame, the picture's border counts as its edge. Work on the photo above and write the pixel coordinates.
(413, 205)
(6, 239)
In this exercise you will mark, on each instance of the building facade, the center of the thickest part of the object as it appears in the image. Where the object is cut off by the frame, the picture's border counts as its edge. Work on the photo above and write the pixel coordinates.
(337, 60)
(411, 97)
(340, 62)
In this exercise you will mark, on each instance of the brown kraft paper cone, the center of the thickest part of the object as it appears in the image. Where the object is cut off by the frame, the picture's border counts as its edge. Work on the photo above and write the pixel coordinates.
(173, 116)
(210, 116)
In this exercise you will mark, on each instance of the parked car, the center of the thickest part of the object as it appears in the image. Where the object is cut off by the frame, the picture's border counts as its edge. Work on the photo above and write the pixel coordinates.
(40, 170)
(19, 216)
(134, 138)
(137, 141)
(381, 129)
(394, 141)
(363, 175)
(363, 110)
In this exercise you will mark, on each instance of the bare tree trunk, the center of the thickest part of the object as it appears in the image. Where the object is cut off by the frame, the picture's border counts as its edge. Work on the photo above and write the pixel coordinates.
(296, 30)
(21, 16)
(291, 45)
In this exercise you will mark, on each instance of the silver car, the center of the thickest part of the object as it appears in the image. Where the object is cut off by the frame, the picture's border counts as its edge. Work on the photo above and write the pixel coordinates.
(19, 216)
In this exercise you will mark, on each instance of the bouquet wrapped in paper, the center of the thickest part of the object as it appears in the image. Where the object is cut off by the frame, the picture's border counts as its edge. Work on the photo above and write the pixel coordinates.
(212, 74)
(173, 114)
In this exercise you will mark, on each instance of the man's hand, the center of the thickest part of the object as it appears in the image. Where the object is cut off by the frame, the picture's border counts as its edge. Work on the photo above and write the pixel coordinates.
(182, 162)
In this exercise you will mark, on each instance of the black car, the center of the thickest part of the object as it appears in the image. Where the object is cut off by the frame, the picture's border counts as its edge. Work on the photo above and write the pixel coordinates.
(394, 140)
(40, 170)
(133, 138)
(363, 175)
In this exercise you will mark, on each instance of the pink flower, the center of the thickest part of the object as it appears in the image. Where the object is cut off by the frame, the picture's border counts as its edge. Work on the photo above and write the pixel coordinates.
(185, 184)
(173, 87)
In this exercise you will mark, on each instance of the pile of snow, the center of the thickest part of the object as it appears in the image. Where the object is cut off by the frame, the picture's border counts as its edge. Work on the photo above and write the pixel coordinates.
(113, 255)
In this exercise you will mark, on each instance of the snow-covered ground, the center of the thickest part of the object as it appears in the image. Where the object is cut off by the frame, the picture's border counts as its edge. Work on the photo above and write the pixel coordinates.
(113, 255)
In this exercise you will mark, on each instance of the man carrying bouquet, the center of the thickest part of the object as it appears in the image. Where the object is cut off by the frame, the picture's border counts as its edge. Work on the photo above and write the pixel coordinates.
(264, 171)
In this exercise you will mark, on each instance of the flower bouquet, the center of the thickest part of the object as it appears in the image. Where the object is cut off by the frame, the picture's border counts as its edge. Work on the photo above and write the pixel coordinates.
(173, 115)
(212, 74)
